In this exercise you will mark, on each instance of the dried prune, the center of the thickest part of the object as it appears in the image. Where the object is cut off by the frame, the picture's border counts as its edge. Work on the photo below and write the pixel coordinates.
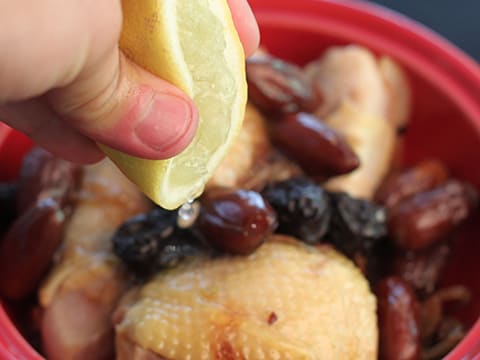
(356, 225)
(150, 242)
(237, 222)
(302, 207)
(138, 240)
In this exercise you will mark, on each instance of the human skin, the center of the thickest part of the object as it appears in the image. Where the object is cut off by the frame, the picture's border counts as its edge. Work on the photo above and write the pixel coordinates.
(65, 83)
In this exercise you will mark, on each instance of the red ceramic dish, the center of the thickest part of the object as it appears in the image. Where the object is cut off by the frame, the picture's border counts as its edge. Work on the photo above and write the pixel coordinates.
(445, 122)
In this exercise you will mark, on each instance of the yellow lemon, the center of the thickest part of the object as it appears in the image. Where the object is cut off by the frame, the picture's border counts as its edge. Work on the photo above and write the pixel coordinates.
(194, 45)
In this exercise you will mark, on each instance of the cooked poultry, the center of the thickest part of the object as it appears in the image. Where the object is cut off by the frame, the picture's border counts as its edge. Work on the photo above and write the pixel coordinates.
(373, 140)
(353, 74)
(285, 301)
(366, 100)
(82, 290)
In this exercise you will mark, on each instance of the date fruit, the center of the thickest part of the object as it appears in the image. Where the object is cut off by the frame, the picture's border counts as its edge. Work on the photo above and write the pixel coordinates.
(431, 216)
(425, 176)
(28, 247)
(277, 87)
(398, 320)
(44, 176)
(236, 222)
(316, 147)
(422, 269)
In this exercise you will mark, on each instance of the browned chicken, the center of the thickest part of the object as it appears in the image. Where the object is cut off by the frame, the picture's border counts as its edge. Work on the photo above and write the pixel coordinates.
(285, 301)
(366, 99)
(81, 291)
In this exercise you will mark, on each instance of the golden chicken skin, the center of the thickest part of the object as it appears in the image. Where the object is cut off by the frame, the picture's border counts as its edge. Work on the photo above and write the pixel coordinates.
(285, 301)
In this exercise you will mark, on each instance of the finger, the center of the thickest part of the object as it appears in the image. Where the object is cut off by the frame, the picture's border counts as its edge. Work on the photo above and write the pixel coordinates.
(119, 104)
(246, 25)
(35, 119)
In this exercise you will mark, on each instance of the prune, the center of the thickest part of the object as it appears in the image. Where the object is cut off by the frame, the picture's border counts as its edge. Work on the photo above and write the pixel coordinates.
(316, 147)
(356, 225)
(138, 240)
(302, 207)
(150, 242)
(398, 320)
(236, 222)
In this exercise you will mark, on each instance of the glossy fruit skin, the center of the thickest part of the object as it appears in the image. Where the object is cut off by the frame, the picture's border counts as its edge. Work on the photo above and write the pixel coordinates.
(315, 146)
(28, 246)
(429, 217)
(399, 320)
(236, 222)
(44, 176)
(303, 208)
(277, 87)
(422, 177)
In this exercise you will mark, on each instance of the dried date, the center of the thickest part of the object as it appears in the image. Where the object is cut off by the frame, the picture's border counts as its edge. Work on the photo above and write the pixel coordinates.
(278, 87)
(44, 176)
(422, 269)
(398, 320)
(428, 217)
(28, 247)
(316, 147)
(425, 176)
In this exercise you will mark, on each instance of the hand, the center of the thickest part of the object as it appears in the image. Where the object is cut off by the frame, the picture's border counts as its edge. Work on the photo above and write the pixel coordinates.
(64, 82)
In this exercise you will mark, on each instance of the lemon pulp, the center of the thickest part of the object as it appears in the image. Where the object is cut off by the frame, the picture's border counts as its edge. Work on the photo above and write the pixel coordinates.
(194, 45)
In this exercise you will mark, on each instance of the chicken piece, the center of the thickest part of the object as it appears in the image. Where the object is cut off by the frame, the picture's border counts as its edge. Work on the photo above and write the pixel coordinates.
(87, 280)
(373, 140)
(353, 74)
(249, 151)
(250, 162)
(285, 301)
(348, 73)
(399, 97)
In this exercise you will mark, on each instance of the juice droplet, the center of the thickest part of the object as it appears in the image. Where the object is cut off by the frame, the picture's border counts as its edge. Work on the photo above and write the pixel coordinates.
(188, 213)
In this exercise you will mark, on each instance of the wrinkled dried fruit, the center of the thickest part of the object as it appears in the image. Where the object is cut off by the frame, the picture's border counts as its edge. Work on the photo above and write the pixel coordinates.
(424, 176)
(316, 147)
(356, 225)
(151, 242)
(302, 207)
(428, 217)
(398, 320)
(422, 269)
(28, 246)
(44, 176)
(278, 87)
(236, 222)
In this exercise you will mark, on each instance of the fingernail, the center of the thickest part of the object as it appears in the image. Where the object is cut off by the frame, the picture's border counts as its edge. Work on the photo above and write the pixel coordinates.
(166, 124)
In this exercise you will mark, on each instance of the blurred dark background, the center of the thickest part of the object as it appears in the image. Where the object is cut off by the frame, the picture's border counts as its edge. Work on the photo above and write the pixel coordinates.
(456, 20)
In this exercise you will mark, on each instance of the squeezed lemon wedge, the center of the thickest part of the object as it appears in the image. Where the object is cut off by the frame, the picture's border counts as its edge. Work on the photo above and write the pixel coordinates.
(194, 45)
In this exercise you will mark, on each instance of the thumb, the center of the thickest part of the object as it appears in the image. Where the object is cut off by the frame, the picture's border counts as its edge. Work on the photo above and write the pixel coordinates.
(118, 104)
